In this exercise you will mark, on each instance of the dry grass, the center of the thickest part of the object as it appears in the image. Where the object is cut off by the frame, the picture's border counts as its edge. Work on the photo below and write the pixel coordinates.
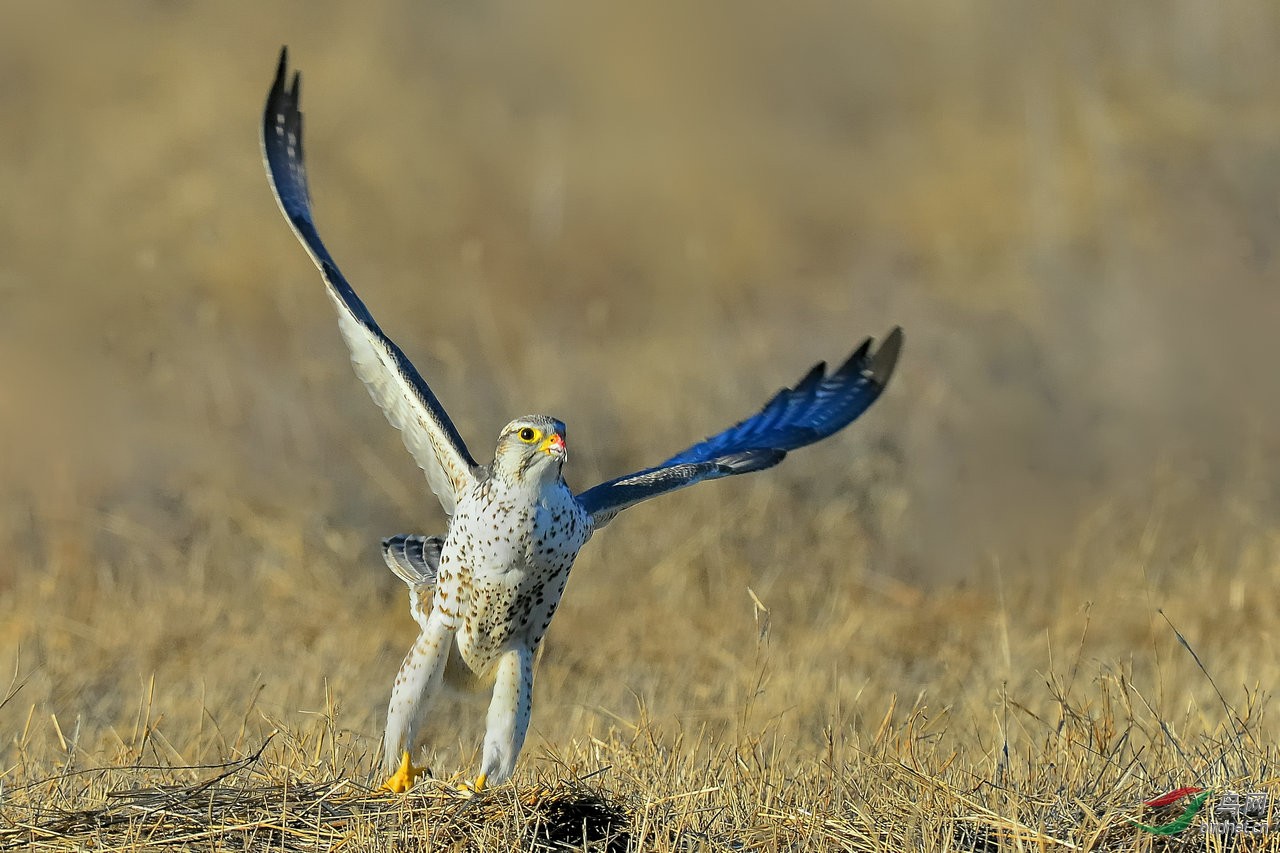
(1034, 587)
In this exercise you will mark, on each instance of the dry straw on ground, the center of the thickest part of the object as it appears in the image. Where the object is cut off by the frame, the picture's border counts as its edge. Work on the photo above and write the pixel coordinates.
(1037, 723)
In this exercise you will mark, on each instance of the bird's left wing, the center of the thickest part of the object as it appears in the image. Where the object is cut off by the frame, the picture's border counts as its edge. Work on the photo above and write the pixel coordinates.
(391, 379)
(819, 405)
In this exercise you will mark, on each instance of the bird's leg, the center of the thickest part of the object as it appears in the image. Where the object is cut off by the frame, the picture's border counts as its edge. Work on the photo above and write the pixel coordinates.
(508, 719)
(416, 685)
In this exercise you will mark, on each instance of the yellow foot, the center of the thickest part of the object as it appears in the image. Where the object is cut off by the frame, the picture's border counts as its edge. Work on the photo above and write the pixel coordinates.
(470, 790)
(404, 777)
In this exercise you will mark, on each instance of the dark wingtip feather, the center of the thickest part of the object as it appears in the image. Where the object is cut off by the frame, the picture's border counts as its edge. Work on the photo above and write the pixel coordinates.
(886, 358)
(856, 364)
(280, 102)
(284, 96)
(815, 375)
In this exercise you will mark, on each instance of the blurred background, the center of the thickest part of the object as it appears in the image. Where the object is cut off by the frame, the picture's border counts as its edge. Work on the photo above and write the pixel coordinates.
(642, 219)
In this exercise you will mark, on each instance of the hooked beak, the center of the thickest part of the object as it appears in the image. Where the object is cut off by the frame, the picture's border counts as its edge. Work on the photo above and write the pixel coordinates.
(553, 445)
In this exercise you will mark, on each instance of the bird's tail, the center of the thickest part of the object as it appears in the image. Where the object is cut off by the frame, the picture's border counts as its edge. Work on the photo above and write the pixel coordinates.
(414, 559)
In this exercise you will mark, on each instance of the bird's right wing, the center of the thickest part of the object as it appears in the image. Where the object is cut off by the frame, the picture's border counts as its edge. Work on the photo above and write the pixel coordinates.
(391, 379)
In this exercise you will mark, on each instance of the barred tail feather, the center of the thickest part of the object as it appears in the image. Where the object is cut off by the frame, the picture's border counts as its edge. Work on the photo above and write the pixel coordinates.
(414, 559)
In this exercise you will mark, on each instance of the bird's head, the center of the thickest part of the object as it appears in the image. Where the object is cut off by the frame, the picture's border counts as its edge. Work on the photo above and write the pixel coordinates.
(531, 448)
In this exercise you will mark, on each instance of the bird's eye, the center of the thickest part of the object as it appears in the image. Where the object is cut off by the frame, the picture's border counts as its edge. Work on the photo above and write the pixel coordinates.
(528, 434)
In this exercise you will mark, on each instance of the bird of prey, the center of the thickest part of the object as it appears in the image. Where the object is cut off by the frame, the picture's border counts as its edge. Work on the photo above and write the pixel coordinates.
(484, 594)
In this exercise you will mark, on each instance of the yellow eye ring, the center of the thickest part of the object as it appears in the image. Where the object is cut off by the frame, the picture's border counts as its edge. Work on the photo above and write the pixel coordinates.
(528, 435)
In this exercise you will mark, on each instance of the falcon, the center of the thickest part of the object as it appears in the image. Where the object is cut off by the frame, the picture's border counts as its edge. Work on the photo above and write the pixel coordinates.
(484, 594)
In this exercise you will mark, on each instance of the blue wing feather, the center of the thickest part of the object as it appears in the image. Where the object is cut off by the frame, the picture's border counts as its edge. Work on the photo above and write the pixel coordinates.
(816, 407)
(820, 404)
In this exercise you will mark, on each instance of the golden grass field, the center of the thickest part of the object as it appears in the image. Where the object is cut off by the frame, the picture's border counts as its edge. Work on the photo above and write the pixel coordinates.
(1033, 587)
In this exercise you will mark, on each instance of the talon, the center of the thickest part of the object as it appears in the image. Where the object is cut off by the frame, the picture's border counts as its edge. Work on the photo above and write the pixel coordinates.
(470, 790)
(404, 777)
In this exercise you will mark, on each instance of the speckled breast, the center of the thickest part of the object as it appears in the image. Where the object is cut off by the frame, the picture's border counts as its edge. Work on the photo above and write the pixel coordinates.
(504, 566)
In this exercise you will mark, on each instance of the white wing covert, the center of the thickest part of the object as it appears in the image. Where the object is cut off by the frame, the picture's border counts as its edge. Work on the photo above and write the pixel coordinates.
(392, 381)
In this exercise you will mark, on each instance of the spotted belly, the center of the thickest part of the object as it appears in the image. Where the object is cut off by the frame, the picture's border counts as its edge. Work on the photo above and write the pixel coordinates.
(505, 615)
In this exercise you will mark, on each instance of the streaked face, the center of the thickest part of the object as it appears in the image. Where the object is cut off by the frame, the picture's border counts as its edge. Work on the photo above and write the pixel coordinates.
(531, 446)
